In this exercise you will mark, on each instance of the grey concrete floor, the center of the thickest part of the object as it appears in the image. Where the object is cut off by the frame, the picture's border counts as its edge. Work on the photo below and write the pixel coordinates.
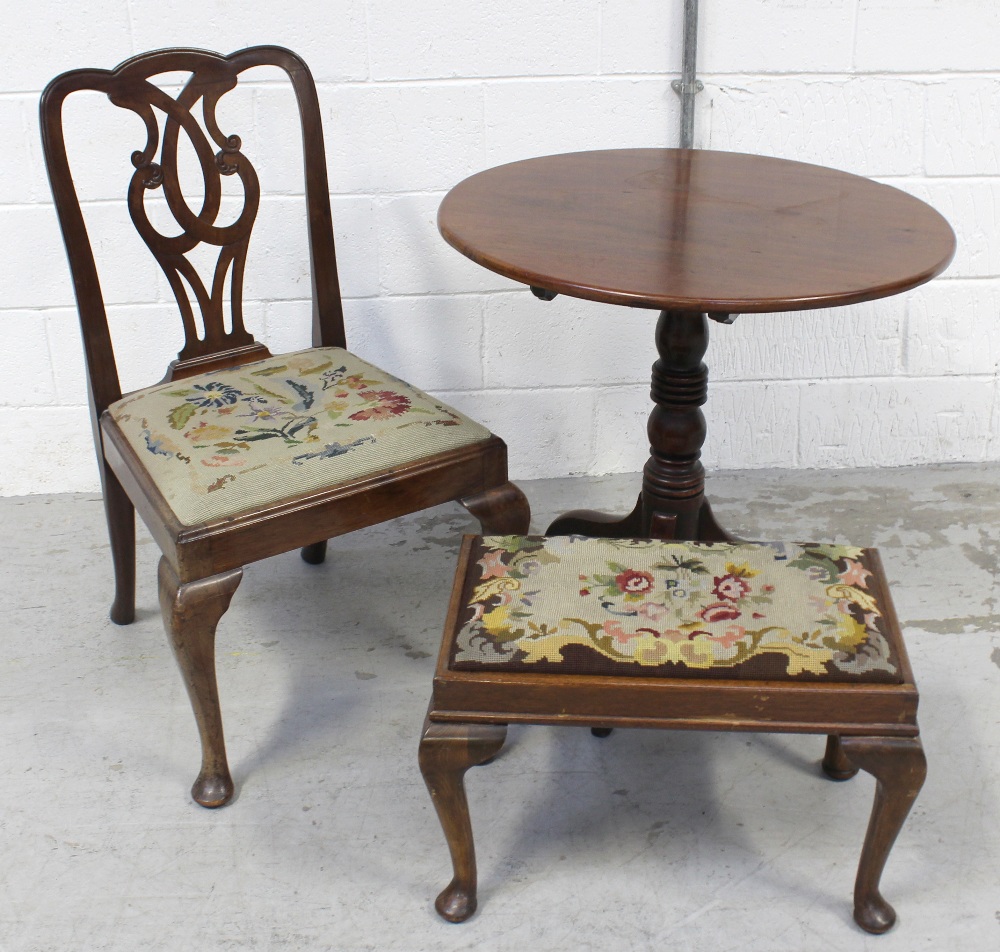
(645, 840)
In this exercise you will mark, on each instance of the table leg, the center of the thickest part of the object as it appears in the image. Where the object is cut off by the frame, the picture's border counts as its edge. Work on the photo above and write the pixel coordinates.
(672, 503)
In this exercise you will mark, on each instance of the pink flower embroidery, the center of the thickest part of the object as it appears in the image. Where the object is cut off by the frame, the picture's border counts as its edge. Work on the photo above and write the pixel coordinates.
(730, 587)
(672, 634)
(855, 574)
(732, 634)
(651, 610)
(615, 630)
(632, 582)
(222, 461)
(492, 566)
(720, 611)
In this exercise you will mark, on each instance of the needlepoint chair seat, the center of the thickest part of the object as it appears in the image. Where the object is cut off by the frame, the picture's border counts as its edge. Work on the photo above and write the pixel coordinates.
(237, 454)
(223, 442)
(770, 637)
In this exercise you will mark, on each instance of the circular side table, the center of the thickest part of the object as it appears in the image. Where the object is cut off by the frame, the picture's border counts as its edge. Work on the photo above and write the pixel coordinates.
(697, 235)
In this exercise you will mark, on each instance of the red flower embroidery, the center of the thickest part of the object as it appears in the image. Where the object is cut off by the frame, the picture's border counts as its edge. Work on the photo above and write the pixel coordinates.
(719, 612)
(730, 587)
(389, 404)
(632, 582)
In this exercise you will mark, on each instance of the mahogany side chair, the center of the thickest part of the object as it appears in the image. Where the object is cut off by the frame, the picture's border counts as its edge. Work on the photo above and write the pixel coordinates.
(237, 454)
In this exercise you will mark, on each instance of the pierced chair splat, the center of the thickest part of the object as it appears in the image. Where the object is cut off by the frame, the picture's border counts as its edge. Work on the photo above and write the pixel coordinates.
(238, 454)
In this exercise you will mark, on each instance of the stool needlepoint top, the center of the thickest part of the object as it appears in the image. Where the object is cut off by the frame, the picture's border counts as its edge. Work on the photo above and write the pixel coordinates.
(650, 608)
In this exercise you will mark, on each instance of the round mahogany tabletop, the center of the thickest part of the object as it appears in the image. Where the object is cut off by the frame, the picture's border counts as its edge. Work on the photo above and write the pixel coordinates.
(695, 230)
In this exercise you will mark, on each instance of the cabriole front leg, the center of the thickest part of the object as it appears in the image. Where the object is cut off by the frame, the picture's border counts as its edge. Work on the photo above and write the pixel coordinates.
(899, 767)
(447, 751)
(191, 613)
(502, 510)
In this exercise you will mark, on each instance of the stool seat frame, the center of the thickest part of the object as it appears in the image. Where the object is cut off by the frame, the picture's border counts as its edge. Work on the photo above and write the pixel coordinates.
(872, 727)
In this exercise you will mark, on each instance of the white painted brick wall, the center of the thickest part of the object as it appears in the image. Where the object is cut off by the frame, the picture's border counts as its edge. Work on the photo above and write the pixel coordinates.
(417, 94)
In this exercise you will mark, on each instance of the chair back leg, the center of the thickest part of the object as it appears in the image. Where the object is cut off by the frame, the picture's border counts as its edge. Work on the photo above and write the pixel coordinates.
(120, 513)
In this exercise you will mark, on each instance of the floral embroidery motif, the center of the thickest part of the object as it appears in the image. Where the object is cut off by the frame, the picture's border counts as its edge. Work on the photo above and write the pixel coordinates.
(674, 609)
(299, 412)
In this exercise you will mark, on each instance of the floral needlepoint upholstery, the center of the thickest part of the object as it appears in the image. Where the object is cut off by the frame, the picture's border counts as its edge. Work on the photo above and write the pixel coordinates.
(760, 611)
(227, 441)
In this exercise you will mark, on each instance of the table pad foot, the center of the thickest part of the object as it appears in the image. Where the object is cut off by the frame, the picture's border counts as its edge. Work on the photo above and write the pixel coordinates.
(659, 525)
(600, 525)
(709, 529)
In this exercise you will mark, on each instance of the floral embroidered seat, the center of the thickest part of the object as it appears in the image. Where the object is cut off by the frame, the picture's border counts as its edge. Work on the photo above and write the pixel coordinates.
(617, 633)
(225, 442)
(649, 608)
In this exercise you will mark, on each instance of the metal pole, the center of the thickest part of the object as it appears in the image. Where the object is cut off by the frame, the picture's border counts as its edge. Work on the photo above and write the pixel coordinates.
(688, 86)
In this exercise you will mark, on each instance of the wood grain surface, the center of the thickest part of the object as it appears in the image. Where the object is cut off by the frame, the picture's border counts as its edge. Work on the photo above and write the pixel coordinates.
(695, 230)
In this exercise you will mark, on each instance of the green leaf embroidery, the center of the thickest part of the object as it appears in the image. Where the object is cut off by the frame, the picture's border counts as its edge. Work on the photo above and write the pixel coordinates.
(179, 416)
(270, 393)
(319, 368)
(270, 371)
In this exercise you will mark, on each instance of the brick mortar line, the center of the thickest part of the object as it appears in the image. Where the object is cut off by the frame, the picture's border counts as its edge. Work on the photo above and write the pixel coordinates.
(894, 178)
(42, 310)
(650, 75)
(601, 388)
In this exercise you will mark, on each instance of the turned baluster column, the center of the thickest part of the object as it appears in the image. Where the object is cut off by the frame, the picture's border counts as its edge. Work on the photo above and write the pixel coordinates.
(673, 483)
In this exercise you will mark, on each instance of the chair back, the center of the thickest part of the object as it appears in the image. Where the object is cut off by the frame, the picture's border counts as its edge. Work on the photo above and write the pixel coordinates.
(219, 152)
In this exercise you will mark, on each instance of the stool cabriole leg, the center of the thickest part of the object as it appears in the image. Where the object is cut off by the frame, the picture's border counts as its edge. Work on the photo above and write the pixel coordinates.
(835, 763)
(447, 751)
(899, 767)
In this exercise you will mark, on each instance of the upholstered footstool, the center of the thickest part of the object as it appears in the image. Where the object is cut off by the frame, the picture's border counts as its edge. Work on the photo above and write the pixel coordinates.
(770, 637)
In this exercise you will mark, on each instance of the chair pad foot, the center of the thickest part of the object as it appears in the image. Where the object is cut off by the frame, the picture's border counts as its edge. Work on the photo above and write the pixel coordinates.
(213, 791)
(875, 916)
(455, 904)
